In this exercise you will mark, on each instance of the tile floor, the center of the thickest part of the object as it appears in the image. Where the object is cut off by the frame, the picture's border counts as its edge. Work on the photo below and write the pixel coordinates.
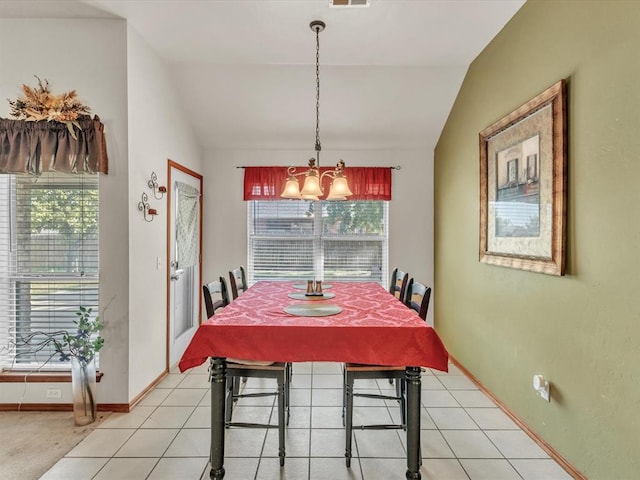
(166, 436)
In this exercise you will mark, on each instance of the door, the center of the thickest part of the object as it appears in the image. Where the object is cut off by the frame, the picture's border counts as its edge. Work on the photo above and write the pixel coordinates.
(184, 258)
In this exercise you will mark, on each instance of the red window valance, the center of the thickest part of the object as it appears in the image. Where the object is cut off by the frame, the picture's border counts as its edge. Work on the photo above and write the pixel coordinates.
(36, 147)
(366, 183)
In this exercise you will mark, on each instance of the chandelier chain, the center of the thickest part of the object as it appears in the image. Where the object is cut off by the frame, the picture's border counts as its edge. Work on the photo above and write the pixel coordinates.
(318, 148)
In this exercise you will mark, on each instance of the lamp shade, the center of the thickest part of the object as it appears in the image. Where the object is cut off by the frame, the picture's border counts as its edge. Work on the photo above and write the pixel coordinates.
(291, 189)
(339, 188)
(311, 188)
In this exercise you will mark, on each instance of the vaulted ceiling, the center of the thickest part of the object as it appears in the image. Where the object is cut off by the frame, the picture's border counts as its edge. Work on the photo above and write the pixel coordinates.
(244, 70)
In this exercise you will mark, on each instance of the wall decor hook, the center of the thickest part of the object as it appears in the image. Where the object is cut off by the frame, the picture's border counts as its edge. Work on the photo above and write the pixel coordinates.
(158, 190)
(148, 212)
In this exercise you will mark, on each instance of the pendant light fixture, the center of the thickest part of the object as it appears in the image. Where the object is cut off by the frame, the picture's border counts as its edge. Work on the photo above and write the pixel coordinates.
(312, 188)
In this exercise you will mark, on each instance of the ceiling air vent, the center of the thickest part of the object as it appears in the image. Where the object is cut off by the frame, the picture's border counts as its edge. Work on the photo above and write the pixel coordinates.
(349, 3)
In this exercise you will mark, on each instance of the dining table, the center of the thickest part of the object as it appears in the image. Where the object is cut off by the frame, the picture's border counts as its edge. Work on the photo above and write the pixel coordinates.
(354, 322)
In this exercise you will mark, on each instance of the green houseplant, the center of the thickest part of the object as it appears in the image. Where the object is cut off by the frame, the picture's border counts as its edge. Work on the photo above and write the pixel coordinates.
(78, 347)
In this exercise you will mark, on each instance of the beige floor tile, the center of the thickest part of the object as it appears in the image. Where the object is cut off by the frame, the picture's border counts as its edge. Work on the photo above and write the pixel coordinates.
(294, 469)
(194, 380)
(457, 382)
(438, 398)
(433, 445)
(387, 469)
(488, 469)
(243, 442)
(133, 419)
(334, 469)
(190, 442)
(200, 418)
(126, 469)
(431, 382)
(74, 469)
(516, 444)
(332, 368)
(327, 397)
(168, 417)
(452, 419)
(492, 419)
(300, 397)
(155, 397)
(172, 380)
(236, 469)
(102, 443)
(148, 443)
(379, 444)
(540, 469)
(184, 397)
(328, 443)
(327, 381)
(326, 417)
(472, 398)
(175, 468)
(470, 444)
(442, 469)
(296, 443)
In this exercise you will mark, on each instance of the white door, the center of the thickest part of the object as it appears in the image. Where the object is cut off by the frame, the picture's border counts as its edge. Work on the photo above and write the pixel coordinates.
(184, 257)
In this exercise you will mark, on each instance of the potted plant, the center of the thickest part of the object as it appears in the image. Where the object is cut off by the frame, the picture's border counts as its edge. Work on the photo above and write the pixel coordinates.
(79, 348)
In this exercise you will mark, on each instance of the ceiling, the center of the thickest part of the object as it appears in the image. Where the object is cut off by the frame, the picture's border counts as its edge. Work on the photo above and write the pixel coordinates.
(244, 70)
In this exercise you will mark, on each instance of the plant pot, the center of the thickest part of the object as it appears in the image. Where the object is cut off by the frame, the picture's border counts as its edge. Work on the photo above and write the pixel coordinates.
(83, 387)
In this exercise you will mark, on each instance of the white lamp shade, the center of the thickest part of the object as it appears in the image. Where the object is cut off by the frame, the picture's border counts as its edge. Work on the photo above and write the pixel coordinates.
(291, 189)
(339, 188)
(311, 189)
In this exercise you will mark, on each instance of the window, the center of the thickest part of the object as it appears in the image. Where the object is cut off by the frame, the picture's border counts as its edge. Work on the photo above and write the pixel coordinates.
(297, 240)
(48, 259)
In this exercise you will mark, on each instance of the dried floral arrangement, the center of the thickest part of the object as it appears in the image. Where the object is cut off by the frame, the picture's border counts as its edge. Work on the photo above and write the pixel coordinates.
(40, 104)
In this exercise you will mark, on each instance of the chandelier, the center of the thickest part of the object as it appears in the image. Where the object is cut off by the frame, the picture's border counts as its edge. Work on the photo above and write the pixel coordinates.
(312, 188)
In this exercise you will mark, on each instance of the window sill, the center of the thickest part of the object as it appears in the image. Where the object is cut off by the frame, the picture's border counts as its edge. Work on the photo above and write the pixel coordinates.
(40, 377)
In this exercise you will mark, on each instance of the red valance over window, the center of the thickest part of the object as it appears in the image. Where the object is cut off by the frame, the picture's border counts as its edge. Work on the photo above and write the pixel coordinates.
(366, 183)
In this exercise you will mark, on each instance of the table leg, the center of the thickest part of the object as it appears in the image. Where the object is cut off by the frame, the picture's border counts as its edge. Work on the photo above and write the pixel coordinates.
(413, 423)
(217, 376)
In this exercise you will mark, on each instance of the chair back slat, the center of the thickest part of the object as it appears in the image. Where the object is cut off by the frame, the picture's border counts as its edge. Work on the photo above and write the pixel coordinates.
(418, 296)
(216, 289)
(398, 285)
(238, 282)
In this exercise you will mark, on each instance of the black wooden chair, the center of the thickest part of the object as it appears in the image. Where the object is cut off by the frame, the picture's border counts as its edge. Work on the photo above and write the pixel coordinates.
(398, 285)
(238, 369)
(216, 289)
(238, 282)
(417, 298)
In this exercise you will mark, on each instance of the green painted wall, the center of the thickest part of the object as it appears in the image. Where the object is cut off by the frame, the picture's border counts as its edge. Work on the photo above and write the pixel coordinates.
(581, 331)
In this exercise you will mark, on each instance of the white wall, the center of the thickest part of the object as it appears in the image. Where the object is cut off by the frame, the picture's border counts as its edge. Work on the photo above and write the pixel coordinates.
(158, 130)
(90, 57)
(123, 80)
(410, 211)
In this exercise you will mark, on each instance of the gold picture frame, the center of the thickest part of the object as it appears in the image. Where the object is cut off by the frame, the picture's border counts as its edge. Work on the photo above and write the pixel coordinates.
(523, 186)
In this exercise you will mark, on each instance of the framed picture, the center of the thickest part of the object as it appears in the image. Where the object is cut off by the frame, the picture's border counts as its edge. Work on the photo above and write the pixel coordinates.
(523, 186)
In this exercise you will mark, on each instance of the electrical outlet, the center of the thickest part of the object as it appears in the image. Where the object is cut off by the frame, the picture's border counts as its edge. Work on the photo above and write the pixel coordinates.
(541, 386)
(54, 393)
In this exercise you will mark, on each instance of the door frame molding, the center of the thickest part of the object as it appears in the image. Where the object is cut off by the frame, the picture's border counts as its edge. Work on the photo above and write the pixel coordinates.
(172, 164)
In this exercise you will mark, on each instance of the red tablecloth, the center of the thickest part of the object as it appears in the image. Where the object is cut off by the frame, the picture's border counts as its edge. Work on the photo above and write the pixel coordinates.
(373, 328)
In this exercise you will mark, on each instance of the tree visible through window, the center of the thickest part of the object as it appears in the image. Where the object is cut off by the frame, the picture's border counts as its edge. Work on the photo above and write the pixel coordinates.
(329, 240)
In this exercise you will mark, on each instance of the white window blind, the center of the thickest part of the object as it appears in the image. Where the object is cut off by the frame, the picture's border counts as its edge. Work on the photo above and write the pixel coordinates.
(299, 240)
(48, 260)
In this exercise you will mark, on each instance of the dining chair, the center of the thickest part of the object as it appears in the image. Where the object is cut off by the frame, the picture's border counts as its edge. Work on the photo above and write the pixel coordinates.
(398, 285)
(238, 282)
(239, 370)
(216, 289)
(417, 298)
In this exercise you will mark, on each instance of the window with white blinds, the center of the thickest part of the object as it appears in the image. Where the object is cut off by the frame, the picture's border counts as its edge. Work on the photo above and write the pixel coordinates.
(300, 240)
(48, 260)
